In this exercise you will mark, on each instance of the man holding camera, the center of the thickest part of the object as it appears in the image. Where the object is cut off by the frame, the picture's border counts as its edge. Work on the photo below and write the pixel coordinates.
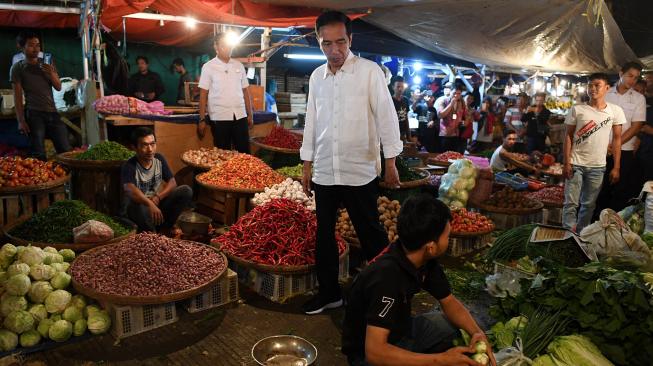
(37, 115)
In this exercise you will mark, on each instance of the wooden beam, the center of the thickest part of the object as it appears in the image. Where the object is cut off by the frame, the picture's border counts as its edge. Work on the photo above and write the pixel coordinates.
(71, 125)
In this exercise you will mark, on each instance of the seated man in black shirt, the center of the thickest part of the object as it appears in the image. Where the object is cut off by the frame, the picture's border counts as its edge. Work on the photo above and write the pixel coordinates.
(145, 84)
(153, 199)
(378, 327)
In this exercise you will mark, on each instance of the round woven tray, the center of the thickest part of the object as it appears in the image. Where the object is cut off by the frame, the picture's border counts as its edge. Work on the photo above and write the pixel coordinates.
(226, 188)
(472, 235)
(145, 300)
(278, 269)
(511, 211)
(258, 141)
(35, 187)
(76, 247)
(433, 161)
(196, 166)
(410, 184)
(69, 159)
(551, 204)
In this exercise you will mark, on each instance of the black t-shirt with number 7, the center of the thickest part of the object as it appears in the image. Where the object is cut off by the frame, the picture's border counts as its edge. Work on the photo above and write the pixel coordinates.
(381, 296)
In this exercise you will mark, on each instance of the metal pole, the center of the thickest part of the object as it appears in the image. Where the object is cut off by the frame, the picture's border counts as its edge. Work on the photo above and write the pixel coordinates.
(265, 43)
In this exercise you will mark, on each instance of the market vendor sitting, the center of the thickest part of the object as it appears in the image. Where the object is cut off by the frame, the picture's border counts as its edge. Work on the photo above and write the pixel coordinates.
(378, 328)
(499, 162)
(153, 199)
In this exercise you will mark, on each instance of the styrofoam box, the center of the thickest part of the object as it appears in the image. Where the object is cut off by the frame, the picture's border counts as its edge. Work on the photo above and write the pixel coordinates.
(221, 293)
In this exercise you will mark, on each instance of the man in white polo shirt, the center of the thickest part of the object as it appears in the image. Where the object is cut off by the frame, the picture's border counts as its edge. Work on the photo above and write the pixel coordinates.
(224, 93)
(349, 114)
(616, 196)
(586, 144)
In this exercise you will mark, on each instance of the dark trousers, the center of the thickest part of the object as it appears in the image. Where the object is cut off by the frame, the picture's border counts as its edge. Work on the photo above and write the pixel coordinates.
(617, 196)
(428, 137)
(231, 133)
(430, 333)
(534, 143)
(361, 204)
(450, 143)
(42, 125)
(171, 207)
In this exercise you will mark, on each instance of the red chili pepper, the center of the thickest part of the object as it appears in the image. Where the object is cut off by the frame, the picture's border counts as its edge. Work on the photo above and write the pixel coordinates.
(280, 232)
(242, 171)
(280, 137)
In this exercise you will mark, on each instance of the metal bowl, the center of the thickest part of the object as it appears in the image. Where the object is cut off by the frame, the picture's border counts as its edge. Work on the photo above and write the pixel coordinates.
(192, 223)
(284, 350)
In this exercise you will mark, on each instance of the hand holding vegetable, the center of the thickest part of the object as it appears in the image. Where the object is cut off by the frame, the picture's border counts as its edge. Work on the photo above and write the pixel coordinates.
(456, 357)
(482, 349)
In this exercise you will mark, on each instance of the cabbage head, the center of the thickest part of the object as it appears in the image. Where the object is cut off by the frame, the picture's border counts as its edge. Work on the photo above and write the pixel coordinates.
(38, 312)
(44, 327)
(576, 350)
(67, 254)
(39, 291)
(50, 250)
(41, 272)
(72, 314)
(60, 331)
(99, 322)
(8, 251)
(8, 340)
(32, 256)
(18, 268)
(78, 301)
(60, 281)
(90, 310)
(30, 338)
(79, 328)
(12, 303)
(51, 258)
(18, 285)
(19, 321)
(57, 301)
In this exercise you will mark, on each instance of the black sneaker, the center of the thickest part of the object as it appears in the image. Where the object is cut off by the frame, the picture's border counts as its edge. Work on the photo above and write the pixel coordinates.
(318, 304)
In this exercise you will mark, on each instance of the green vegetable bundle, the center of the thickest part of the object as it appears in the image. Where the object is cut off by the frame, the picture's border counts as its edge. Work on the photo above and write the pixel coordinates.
(56, 223)
(611, 307)
(406, 174)
(106, 150)
(291, 171)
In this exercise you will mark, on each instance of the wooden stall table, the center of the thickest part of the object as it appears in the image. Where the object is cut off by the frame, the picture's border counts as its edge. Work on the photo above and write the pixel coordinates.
(223, 204)
(23, 201)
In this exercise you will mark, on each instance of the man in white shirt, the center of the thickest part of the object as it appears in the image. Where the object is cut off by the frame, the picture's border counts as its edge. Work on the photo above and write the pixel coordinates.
(616, 196)
(586, 144)
(224, 93)
(349, 112)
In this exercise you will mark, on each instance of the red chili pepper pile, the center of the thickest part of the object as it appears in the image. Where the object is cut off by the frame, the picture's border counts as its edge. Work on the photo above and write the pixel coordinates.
(468, 222)
(449, 155)
(242, 171)
(280, 232)
(551, 194)
(280, 137)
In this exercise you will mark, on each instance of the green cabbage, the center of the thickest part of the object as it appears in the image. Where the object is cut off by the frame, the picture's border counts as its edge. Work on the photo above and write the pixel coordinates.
(79, 302)
(60, 267)
(99, 322)
(30, 338)
(60, 331)
(503, 337)
(545, 360)
(51, 258)
(18, 268)
(19, 321)
(5, 262)
(517, 323)
(67, 254)
(39, 291)
(41, 272)
(576, 350)
(8, 251)
(90, 310)
(18, 285)
(55, 317)
(3, 277)
(31, 256)
(44, 327)
(51, 250)
(60, 281)
(57, 301)
(79, 328)
(8, 340)
(38, 312)
(72, 314)
(12, 303)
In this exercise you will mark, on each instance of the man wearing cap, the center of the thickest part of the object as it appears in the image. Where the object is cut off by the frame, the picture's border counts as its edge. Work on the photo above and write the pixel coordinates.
(184, 77)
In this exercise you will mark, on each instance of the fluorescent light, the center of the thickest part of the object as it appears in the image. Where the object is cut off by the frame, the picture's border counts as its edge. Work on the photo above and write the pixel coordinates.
(417, 66)
(301, 56)
(405, 85)
(581, 89)
(417, 80)
(191, 22)
(232, 38)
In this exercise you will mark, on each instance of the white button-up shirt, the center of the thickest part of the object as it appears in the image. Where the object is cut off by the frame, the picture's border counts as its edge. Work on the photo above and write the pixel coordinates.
(634, 106)
(348, 115)
(225, 83)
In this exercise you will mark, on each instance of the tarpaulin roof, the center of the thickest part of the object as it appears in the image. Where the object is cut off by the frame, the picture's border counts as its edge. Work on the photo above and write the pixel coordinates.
(550, 35)
(37, 19)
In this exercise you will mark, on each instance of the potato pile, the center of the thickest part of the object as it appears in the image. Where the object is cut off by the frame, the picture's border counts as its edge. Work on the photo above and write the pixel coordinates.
(388, 212)
(509, 198)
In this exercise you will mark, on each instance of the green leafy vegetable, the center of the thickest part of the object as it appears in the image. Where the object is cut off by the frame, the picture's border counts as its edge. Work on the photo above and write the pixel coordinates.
(576, 350)
(106, 150)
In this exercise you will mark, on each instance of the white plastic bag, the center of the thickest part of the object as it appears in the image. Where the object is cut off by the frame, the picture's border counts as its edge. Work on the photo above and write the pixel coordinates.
(512, 356)
(67, 84)
(456, 184)
(92, 231)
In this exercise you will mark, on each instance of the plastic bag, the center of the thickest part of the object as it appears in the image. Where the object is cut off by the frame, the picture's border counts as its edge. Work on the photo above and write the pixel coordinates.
(512, 356)
(610, 237)
(456, 184)
(92, 231)
(67, 84)
(648, 206)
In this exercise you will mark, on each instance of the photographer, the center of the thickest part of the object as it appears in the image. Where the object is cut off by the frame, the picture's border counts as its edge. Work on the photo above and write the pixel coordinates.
(452, 117)
(37, 115)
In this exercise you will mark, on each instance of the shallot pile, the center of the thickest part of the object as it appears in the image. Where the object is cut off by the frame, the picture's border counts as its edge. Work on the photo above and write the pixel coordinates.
(242, 171)
(208, 157)
(147, 265)
(280, 232)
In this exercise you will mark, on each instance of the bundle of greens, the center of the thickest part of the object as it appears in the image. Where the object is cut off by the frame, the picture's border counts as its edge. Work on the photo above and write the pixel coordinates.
(55, 224)
(406, 174)
(465, 284)
(612, 307)
(106, 150)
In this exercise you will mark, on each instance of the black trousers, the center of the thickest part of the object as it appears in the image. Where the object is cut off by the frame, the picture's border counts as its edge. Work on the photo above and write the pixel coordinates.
(171, 207)
(617, 196)
(42, 125)
(231, 133)
(451, 143)
(361, 204)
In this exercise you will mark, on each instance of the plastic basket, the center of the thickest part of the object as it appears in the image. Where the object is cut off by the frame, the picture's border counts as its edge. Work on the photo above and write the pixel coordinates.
(281, 287)
(515, 182)
(221, 293)
(459, 246)
(131, 320)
